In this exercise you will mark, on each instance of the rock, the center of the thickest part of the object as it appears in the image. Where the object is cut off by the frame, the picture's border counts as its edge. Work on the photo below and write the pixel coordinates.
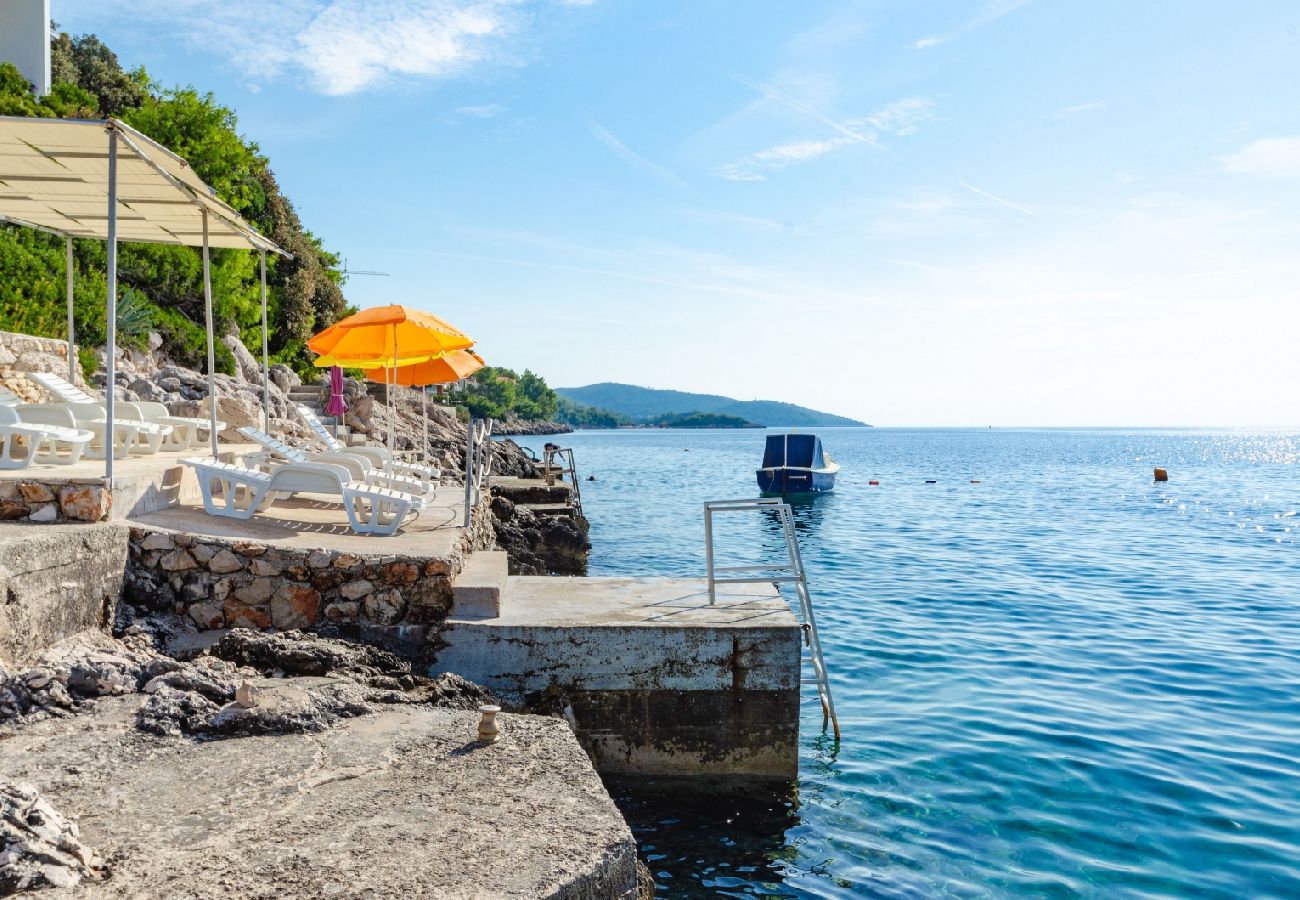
(178, 561)
(243, 548)
(258, 590)
(289, 709)
(347, 561)
(246, 695)
(225, 562)
(355, 590)
(348, 611)
(158, 540)
(265, 567)
(34, 492)
(14, 509)
(39, 847)
(385, 607)
(85, 503)
(203, 552)
(247, 366)
(173, 712)
(301, 653)
(148, 390)
(242, 615)
(147, 588)
(46, 512)
(295, 606)
(207, 615)
(284, 377)
(319, 559)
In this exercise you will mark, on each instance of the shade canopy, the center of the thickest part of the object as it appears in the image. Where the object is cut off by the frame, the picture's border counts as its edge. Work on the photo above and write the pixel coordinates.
(386, 336)
(54, 175)
(443, 369)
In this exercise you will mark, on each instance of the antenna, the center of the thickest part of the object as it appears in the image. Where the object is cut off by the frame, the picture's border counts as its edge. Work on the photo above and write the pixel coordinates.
(344, 270)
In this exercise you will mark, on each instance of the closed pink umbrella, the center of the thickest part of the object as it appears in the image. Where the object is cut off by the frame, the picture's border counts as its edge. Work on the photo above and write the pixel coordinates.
(336, 406)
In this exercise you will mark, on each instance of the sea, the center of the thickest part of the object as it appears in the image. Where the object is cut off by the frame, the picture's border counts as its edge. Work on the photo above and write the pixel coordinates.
(1055, 676)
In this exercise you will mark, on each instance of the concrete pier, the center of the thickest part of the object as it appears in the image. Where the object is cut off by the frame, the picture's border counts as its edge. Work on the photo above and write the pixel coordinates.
(654, 678)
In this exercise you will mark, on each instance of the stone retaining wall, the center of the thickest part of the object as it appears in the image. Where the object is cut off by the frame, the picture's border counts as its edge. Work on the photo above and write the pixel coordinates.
(55, 501)
(397, 601)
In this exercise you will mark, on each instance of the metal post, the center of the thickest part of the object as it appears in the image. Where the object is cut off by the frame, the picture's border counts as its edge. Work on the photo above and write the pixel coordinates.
(110, 442)
(424, 414)
(266, 358)
(469, 473)
(708, 549)
(212, 348)
(72, 325)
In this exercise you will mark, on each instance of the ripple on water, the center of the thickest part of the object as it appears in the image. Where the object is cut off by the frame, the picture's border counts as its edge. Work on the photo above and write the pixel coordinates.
(1063, 681)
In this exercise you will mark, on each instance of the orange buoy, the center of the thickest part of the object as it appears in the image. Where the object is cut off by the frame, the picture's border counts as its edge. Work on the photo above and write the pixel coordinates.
(1161, 474)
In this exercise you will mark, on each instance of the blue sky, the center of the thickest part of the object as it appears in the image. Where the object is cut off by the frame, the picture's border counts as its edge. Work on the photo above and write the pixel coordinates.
(932, 212)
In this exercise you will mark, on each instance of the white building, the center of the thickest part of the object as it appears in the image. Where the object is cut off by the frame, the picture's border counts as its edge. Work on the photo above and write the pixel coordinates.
(25, 39)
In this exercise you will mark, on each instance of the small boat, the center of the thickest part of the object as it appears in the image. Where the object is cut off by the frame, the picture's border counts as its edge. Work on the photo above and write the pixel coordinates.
(796, 464)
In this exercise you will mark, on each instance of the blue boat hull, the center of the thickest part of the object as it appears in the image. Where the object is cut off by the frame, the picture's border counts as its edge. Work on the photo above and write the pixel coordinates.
(794, 481)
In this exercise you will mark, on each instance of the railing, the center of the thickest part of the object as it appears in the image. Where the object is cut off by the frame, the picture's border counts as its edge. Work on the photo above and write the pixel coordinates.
(789, 572)
(549, 468)
(478, 464)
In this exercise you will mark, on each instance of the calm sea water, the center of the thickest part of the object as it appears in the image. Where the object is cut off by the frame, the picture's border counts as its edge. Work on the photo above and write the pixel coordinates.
(1065, 680)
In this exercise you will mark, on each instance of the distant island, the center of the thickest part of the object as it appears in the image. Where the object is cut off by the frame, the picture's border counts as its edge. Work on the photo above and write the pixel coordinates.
(614, 405)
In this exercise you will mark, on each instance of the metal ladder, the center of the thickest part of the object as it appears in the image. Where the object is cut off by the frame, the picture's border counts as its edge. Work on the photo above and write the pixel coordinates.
(563, 455)
(789, 572)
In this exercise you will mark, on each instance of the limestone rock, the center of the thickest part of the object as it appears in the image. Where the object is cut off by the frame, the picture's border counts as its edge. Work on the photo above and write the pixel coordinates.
(224, 562)
(35, 492)
(39, 847)
(355, 590)
(46, 512)
(243, 615)
(385, 607)
(258, 590)
(178, 561)
(85, 503)
(295, 606)
(207, 615)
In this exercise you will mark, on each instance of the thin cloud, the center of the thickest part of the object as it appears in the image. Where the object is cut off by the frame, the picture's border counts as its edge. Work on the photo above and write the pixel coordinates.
(1079, 108)
(340, 47)
(485, 111)
(772, 93)
(996, 199)
(1267, 157)
(632, 158)
(900, 118)
(992, 11)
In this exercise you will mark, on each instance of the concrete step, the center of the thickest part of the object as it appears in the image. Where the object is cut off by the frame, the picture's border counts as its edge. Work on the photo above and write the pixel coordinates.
(549, 509)
(356, 440)
(479, 586)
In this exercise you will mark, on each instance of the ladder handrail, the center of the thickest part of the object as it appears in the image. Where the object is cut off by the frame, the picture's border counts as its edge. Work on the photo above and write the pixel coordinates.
(565, 453)
(789, 572)
(478, 464)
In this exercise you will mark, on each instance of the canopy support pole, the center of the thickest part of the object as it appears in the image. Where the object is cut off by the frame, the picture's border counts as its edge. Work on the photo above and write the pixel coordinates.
(424, 415)
(212, 347)
(72, 325)
(110, 435)
(266, 358)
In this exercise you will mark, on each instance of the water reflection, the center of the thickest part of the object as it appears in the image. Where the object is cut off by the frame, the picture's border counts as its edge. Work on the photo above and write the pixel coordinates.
(713, 837)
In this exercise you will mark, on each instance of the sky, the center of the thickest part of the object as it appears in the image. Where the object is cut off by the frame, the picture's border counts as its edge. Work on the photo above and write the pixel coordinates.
(915, 213)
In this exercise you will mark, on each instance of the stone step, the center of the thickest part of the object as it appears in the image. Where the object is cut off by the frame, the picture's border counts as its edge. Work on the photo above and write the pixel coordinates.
(479, 586)
(549, 509)
(356, 440)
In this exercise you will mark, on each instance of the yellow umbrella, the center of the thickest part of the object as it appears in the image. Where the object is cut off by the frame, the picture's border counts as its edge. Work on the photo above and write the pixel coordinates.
(387, 336)
(443, 369)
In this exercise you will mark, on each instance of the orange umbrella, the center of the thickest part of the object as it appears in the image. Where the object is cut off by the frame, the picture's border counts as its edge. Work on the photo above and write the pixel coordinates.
(443, 369)
(386, 336)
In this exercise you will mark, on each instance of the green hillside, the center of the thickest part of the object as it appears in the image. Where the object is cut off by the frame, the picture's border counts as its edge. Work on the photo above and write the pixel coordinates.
(643, 403)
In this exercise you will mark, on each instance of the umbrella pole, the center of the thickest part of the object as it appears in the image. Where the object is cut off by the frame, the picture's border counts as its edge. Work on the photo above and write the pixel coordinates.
(392, 409)
(424, 414)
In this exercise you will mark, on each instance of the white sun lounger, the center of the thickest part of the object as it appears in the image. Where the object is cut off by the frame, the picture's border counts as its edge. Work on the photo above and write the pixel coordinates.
(130, 434)
(50, 444)
(63, 415)
(245, 492)
(377, 455)
(359, 468)
(187, 431)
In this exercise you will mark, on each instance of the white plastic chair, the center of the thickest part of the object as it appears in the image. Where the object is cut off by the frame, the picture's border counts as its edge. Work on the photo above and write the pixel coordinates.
(130, 434)
(360, 468)
(370, 509)
(48, 444)
(378, 456)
